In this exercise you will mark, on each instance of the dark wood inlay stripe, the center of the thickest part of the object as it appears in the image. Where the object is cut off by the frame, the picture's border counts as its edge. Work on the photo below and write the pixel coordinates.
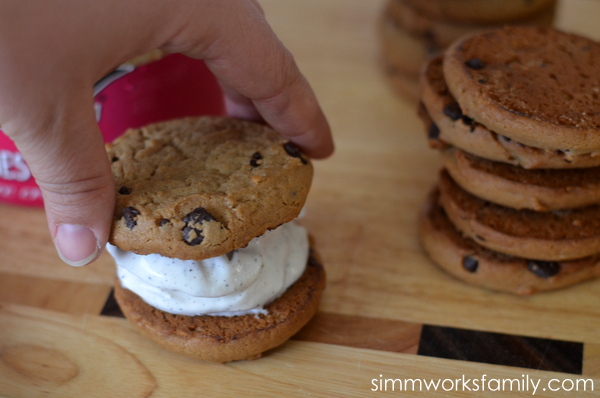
(501, 349)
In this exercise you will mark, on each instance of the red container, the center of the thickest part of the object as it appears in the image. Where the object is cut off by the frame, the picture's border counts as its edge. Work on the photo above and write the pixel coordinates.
(131, 96)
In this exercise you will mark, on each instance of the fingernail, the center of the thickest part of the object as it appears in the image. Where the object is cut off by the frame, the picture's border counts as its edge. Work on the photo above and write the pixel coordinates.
(241, 110)
(76, 245)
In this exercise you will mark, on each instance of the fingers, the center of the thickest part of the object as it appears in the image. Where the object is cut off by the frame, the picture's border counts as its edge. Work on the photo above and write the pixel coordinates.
(70, 165)
(47, 108)
(245, 55)
(295, 113)
(236, 105)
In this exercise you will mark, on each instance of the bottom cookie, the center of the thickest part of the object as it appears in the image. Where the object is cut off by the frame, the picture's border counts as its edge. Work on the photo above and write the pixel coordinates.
(474, 264)
(225, 339)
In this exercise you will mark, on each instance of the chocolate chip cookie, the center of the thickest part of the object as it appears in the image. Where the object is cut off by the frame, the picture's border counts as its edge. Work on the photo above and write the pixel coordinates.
(410, 33)
(440, 32)
(444, 117)
(519, 188)
(522, 81)
(550, 236)
(470, 262)
(477, 11)
(200, 187)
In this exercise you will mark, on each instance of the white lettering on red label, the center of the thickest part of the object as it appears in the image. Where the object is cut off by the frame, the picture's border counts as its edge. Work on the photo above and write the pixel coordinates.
(13, 167)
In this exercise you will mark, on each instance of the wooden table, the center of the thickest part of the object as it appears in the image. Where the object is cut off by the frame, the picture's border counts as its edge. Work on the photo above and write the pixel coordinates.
(387, 313)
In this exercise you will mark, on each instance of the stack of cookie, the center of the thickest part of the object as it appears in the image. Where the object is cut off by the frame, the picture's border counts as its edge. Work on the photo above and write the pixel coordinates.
(412, 31)
(516, 114)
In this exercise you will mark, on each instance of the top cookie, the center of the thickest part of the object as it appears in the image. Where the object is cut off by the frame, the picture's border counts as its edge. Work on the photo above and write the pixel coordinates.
(197, 188)
(538, 86)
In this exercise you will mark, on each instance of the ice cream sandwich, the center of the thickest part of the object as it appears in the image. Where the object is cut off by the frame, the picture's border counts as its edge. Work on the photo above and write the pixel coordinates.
(210, 261)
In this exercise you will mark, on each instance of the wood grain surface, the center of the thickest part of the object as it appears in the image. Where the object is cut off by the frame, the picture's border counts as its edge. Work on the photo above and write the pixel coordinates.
(384, 298)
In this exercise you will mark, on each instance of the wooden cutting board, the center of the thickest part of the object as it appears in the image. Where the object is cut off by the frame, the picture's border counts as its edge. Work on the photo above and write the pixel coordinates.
(387, 313)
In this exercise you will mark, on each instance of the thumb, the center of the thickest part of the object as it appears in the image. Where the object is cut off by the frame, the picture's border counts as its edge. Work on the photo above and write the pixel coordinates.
(68, 160)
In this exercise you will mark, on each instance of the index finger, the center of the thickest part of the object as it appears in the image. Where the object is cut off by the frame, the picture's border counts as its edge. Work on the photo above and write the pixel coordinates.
(244, 53)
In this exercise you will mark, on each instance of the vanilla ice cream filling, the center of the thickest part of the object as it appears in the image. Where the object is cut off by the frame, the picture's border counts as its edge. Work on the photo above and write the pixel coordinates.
(238, 283)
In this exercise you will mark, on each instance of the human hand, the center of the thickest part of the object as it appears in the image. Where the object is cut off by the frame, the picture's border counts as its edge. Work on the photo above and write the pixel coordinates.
(54, 51)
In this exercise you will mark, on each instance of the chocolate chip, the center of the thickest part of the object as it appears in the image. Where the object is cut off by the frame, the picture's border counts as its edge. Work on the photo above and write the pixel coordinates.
(230, 255)
(124, 191)
(164, 221)
(198, 215)
(294, 152)
(114, 159)
(543, 269)
(474, 63)
(482, 81)
(470, 264)
(291, 150)
(467, 121)
(192, 234)
(433, 132)
(453, 111)
(130, 213)
(254, 162)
